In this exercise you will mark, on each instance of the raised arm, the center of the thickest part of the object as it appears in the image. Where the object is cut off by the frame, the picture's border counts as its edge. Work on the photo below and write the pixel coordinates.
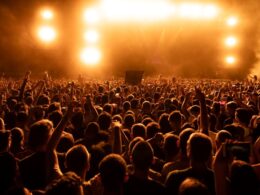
(203, 112)
(220, 167)
(185, 105)
(117, 139)
(53, 168)
(39, 85)
(25, 80)
(91, 113)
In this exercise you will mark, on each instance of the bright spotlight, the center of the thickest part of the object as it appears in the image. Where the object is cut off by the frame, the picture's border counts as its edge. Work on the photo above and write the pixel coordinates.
(91, 36)
(232, 21)
(90, 56)
(47, 14)
(231, 41)
(155, 10)
(47, 34)
(230, 60)
(198, 11)
(91, 16)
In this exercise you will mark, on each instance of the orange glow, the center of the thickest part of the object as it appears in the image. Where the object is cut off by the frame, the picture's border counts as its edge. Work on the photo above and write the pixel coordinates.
(148, 11)
(230, 60)
(91, 16)
(91, 36)
(47, 34)
(90, 56)
(198, 11)
(231, 41)
(232, 21)
(47, 14)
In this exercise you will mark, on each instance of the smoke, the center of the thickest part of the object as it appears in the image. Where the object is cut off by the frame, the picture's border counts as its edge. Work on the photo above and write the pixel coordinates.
(256, 17)
(256, 68)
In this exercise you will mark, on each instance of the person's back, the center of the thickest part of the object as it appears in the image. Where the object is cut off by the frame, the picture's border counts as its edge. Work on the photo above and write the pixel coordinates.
(199, 152)
(8, 164)
(33, 168)
(192, 186)
(68, 184)
(182, 162)
(112, 173)
(139, 182)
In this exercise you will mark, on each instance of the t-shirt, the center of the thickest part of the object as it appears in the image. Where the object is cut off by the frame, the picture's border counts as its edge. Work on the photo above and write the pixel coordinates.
(136, 186)
(175, 178)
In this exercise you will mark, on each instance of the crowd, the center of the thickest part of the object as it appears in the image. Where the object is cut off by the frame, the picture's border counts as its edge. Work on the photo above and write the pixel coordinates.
(164, 136)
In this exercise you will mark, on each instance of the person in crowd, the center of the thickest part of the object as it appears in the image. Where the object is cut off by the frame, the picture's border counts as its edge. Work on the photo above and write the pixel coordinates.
(200, 153)
(101, 138)
(139, 182)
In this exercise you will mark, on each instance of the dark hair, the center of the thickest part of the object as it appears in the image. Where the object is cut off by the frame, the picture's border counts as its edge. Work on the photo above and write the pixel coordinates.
(164, 123)
(132, 144)
(126, 105)
(77, 119)
(129, 120)
(22, 117)
(142, 155)
(191, 186)
(55, 117)
(55, 106)
(118, 118)
(175, 117)
(108, 108)
(146, 106)
(222, 136)
(43, 100)
(146, 120)
(194, 110)
(184, 137)
(112, 172)
(68, 184)
(138, 130)
(17, 140)
(17, 135)
(39, 134)
(92, 128)
(134, 103)
(104, 120)
(216, 107)
(171, 145)
(243, 115)
(152, 128)
(65, 143)
(200, 147)
(236, 131)
(77, 158)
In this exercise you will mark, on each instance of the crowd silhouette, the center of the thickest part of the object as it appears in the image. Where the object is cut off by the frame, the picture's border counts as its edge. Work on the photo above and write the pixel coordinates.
(164, 136)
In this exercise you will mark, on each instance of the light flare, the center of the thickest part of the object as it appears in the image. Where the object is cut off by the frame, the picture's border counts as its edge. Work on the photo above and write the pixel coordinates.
(47, 14)
(230, 60)
(90, 56)
(47, 34)
(231, 41)
(232, 21)
(91, 36)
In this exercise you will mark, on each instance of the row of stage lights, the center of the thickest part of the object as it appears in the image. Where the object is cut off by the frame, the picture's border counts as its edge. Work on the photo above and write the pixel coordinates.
(231, 42)
(46, 32)
(91, 54)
